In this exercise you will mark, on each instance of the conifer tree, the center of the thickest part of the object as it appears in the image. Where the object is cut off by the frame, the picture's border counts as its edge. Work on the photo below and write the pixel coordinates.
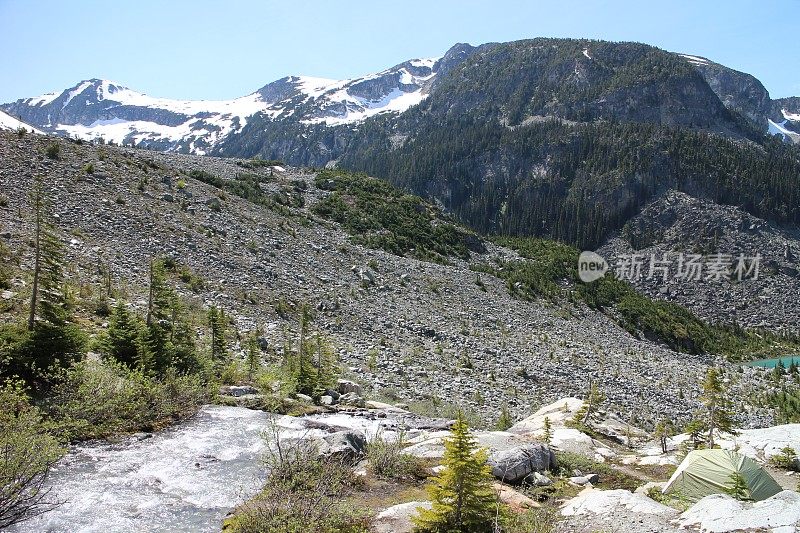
(155, 349)
(121, 340)
(548, 430)
(462, 494)
(47, 303)
(664, 429)
(253, 352)
(504, 421)
(216, 323)
(594, 399)
(50, 339)
(718, 413)
(327, 366)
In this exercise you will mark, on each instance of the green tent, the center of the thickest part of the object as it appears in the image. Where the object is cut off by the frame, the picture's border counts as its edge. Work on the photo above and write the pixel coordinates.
(705, 472)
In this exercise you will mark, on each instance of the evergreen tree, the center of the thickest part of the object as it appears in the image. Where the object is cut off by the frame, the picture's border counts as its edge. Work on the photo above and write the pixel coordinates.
(216, 324)
(594, 399)
(462, 494)
(504, 421)
(548, 430)
(185, 357)
(718, 412)
(664, 430)
(253, 354)
(326, 365)
(47, 303)
(155, 349)
(6, 260)
(738, 487)
(49, 339)
(121, 340)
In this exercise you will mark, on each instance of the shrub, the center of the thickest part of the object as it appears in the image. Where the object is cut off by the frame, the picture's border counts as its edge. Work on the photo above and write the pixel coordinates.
(304, 492)
(379, 215)
(786, 460)
(53, 150)
(98, 400)
(89, 168)
(32, 355)
(386, 459)
(542, 520)
(28, 454)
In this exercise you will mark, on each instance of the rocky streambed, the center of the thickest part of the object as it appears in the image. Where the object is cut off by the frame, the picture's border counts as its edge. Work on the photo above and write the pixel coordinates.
(188, 477)
(185, 478)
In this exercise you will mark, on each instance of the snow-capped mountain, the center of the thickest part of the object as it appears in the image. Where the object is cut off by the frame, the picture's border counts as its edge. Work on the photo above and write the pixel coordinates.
(304, 115)
(97, 108)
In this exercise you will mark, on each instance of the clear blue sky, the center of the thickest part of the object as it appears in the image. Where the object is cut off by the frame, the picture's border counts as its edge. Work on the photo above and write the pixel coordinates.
(201, 49)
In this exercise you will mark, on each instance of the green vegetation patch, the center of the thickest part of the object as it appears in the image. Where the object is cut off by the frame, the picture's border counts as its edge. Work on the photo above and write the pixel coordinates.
(378, 215)
(550, 271)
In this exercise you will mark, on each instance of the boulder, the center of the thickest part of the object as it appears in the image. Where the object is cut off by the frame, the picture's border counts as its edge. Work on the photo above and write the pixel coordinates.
(326, 400)
(720, 513)
(518, 463)
(612, 502)
(344, 386)
(540, 480)
(352, 399)
(517, 501)
(346, 445)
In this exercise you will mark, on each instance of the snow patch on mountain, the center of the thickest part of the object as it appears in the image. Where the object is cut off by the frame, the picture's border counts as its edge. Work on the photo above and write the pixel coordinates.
(779, 128)
(358, 109)
(695, 60)
(790, 116)
(7, 122)
(97, 108)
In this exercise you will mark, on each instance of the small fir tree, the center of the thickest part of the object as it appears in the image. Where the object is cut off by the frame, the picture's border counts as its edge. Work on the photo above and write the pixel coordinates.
(121, 340)
(462, 494)
(548, 430)
(717, 407)
(504, 421)
(738, 487)
(216, 324)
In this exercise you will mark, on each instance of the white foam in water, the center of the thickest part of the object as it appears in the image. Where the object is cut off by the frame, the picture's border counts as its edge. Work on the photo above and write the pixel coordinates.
(185, 478)
(182, 479)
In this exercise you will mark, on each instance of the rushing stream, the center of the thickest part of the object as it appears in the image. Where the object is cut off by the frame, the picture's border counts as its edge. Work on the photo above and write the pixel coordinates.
(182, 479)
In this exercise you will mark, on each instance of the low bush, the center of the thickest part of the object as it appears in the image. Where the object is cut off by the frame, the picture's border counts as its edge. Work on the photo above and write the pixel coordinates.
(303, 493)
(787, 459)
(28, 454)
(53, 150)
(386, 459)
(94, 399)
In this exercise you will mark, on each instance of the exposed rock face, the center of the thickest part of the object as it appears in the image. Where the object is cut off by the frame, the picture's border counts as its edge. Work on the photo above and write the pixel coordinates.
(517, 464)
(677, 223)
(738, 91)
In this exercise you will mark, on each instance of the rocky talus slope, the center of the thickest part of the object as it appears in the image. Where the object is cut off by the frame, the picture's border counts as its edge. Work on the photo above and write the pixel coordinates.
(405, 328)
(677, 223)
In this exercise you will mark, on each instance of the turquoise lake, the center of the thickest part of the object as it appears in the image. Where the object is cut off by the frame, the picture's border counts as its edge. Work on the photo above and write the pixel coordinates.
(771, 363)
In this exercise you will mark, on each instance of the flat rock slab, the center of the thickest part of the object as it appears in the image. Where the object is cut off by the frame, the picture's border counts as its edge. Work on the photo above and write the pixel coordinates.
(616, 510)
(397, 519)
(720, 513)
